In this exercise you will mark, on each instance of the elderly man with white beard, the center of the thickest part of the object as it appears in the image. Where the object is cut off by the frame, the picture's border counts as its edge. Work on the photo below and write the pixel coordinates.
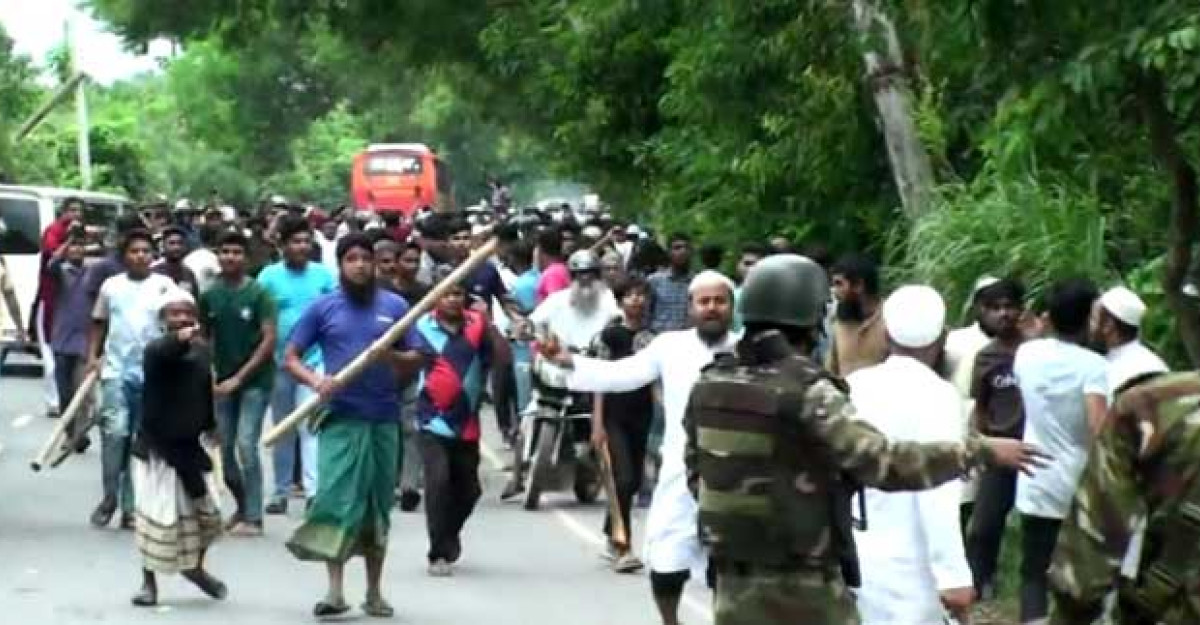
(672, 547)
(574, 316)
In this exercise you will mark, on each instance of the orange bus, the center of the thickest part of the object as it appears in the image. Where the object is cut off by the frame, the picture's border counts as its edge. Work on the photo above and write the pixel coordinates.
(402, 177)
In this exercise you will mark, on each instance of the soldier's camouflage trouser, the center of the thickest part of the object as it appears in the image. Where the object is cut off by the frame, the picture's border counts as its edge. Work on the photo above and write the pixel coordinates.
(773, 597)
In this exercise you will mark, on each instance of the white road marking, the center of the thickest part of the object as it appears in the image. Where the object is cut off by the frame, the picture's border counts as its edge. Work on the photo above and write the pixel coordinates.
(590, 536)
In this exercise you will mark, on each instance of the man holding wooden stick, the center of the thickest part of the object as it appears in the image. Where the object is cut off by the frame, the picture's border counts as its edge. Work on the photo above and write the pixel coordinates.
(621, 421)
(358, 435)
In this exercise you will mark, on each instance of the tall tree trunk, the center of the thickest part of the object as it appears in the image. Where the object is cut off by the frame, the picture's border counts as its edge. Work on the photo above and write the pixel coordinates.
(893, 99)
(1184, 226)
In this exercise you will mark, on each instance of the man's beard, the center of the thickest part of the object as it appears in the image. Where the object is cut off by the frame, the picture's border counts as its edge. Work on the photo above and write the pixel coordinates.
(712, 331)
(585, 298)
(359, 294)
(850, 310)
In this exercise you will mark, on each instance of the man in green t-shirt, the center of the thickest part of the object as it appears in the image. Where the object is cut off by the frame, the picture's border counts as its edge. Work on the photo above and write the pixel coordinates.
(239, 316)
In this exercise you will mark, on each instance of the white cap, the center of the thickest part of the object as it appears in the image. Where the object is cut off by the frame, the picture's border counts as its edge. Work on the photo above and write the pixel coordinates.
(982, 283)
(592, 232)
(915, 316)
(708, 278)
(633, 230)
(174, 295)
(1125, 305)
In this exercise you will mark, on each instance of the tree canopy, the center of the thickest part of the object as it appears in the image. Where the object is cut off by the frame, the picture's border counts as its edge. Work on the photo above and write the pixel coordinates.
(1062, 135)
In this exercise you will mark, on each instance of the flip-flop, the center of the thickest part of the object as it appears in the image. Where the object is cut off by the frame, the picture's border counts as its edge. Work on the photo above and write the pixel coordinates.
(324, 609)
(208, 584)
(145, 599)
(378, 608)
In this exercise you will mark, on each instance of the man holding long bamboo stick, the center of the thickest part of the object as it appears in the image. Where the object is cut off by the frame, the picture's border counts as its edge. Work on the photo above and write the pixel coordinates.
(358, 436)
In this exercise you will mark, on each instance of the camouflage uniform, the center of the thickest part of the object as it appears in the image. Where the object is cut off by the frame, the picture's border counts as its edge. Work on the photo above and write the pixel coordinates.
(772, 442)
(1145, 466)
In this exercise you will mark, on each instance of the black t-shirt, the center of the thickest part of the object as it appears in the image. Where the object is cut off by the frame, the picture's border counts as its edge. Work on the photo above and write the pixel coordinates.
(615, 342)
(413, 293)
(994, 389)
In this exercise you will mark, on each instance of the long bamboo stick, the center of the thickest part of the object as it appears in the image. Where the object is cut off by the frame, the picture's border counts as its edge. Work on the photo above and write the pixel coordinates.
(384, 343)
(57, 438)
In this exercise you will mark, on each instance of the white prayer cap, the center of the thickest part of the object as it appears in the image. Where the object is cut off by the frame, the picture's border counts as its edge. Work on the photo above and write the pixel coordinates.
(915, 316)
(592, 232)
(174, 295)
(633, 230)
(982, 283)
(708, 278)
(1125, 305)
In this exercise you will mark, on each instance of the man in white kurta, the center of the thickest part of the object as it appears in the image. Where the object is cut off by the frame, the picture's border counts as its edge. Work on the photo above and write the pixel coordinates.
(911, 553)
(1116, 324)
(672, 546)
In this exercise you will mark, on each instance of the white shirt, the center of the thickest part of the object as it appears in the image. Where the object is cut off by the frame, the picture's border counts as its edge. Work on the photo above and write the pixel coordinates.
(131, 309)
(328, 250)
(676, 359)
(913, 546)
(573, 327)
(962, 345)
(625, 249)
(1054, 377)
(1130, 361)
(204, 265)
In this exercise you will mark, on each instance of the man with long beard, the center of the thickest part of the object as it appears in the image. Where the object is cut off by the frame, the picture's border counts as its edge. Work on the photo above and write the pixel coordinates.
(672, 547)
(358, 436)
(574, 316)
(859, 337)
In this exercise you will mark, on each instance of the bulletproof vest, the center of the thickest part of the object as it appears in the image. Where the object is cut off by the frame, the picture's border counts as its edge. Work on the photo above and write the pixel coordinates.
(766, 494)
(1166, 585)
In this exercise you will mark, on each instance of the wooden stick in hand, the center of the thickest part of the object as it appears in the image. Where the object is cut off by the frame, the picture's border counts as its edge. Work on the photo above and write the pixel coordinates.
(58, 437)
(383, 344)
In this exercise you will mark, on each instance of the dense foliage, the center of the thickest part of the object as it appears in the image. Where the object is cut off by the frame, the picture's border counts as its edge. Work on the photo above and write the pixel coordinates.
(1063, 135)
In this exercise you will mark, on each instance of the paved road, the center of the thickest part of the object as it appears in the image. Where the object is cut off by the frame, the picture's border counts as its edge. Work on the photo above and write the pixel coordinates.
(518, 568)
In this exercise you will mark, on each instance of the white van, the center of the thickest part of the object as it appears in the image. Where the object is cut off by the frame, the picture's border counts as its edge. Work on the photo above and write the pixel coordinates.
(27, 212)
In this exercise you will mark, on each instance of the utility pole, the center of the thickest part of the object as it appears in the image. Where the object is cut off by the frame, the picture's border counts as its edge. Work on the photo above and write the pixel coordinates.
(81, 113)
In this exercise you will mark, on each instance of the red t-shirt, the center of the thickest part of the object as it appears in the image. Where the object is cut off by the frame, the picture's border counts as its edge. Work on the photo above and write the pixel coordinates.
(52, 239)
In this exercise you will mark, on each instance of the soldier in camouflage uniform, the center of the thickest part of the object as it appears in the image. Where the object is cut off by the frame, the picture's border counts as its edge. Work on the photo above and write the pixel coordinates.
(773, 448)
(1144, 470)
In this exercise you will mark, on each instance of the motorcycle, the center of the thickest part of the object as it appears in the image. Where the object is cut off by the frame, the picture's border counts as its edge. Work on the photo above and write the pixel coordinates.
(558, 446)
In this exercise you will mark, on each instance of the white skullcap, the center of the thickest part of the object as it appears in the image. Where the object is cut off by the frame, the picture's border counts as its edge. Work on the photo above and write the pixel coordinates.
(708, 278)
(982, 283)
(174, 295)
(915, 316)
(592, 232)
(1125, 305)
(633, 230)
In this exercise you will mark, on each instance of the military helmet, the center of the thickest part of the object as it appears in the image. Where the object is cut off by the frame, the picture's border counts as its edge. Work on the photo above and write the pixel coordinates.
(583, 261)
(785, 289)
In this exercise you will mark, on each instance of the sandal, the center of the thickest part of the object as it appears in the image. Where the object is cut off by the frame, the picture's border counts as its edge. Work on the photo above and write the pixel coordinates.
(145, 598)
(324, 608)
(378, 608)
(208, 584)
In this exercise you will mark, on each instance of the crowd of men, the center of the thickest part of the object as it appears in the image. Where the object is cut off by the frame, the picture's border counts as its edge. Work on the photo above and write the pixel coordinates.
(768, 402)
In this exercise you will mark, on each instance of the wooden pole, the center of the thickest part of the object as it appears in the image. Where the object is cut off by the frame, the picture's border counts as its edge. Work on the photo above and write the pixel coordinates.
(73, 410)
(384, 343)
(620, 535)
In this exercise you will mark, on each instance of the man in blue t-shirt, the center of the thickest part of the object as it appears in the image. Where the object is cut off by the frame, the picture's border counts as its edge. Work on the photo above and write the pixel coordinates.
(294, 283)
(358, 451)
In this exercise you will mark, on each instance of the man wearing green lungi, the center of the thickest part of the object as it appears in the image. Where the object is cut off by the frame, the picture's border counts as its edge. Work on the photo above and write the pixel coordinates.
(358, 437)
